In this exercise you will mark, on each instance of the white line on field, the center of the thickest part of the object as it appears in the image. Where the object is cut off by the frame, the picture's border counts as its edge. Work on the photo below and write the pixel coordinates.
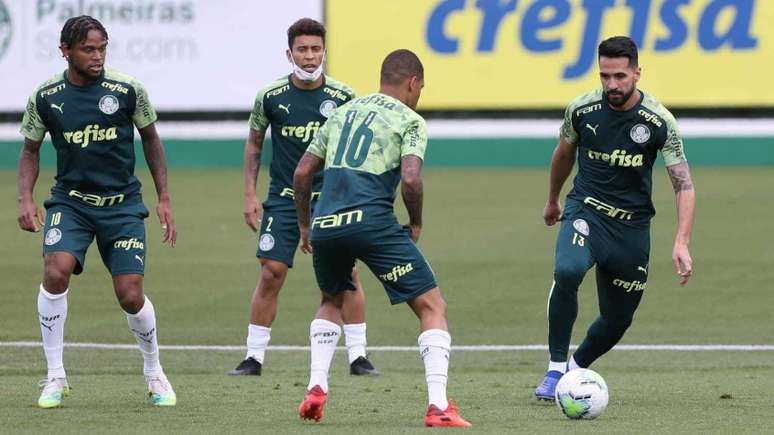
(463, 348)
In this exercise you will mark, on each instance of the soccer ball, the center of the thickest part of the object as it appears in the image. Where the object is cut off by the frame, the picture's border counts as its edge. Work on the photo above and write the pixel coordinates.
(581, 394)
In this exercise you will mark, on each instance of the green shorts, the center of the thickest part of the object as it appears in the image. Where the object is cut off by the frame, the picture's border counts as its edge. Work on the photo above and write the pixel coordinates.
(71, 226)
(621, 251)
(279, 236)
(388, 251)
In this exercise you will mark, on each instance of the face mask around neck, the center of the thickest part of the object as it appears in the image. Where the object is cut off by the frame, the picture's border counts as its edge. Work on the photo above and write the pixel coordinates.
(305, 76)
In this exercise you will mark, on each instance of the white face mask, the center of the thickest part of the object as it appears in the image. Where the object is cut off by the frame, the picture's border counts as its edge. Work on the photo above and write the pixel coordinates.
(304, 75)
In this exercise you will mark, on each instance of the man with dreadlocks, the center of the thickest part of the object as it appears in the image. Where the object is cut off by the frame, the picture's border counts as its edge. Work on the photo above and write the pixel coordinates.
(90, 113)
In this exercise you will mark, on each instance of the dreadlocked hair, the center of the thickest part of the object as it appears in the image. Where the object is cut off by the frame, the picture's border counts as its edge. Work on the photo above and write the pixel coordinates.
(76, 29)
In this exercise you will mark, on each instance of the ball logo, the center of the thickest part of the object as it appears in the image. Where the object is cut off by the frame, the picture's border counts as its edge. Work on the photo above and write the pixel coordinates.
(266, 243)
(327, 107)
(581, 226)
(640, 133)
(6, 29)
(53, 236)
(108, 104)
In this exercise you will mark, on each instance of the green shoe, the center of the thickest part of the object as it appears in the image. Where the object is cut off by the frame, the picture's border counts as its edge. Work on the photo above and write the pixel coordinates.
(160, 390)
(54, 390)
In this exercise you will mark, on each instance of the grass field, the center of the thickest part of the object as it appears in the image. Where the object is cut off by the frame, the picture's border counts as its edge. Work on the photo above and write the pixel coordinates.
(493, 257)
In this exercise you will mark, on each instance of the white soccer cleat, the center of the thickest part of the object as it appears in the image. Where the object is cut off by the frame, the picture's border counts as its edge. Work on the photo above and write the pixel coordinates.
(54, 390)
(160, 390)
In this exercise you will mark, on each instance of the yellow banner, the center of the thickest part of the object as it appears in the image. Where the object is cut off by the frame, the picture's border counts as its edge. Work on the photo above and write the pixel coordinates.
(517, 54)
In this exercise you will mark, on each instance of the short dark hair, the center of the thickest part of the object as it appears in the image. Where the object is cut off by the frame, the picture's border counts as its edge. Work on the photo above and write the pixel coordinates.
(400, 65)
(620, 46)
(76, 29)
(305, 26)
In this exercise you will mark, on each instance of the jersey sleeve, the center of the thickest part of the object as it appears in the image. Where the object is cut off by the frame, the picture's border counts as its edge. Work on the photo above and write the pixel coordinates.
(319, 144)
(144, 114)
(672, 151)
(258, 119)
(414, 138)
(567, 130)
(32, 126)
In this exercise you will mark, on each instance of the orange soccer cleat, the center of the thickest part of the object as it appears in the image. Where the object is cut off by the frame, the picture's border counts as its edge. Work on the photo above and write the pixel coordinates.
(312, 406)
(447, 418)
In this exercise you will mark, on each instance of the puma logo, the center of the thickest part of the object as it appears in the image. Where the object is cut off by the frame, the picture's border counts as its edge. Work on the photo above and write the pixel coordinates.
(145, 336)
(285, 108)
(594, 128)
(60, 107)
(50, 327)
(642, 269)
(139, 259)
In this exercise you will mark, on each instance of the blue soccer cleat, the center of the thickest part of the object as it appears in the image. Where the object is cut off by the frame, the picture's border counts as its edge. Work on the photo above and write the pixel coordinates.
(547, 388)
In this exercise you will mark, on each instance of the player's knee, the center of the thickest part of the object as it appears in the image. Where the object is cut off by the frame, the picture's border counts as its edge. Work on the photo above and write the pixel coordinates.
(272, 276)
(569, 274)
(55, 279)
(333, 301)
(130, 295)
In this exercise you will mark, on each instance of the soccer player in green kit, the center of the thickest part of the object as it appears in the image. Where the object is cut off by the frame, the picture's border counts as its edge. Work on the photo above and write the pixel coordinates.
(615, 133)
(295, 107)
(367, 147)
(90, 112)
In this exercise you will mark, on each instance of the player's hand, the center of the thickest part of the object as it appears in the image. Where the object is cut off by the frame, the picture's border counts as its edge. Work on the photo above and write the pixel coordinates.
(253, 213)
(683, 262)
(30, 217)
(414, 232)
(306, 247)
(164, 210)
(552, 212)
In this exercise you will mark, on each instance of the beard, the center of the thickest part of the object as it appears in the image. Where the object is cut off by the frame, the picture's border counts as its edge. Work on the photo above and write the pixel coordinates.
(619, 98)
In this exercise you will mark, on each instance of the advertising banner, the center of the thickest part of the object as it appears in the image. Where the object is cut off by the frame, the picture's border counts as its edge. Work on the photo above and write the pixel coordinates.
(190, 54)
(521, 54)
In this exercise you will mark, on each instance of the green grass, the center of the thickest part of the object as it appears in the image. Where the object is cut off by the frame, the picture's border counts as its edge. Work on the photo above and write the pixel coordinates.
(493, 257)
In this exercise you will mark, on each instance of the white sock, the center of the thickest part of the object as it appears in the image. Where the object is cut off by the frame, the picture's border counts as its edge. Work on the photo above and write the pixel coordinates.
(355, 339)
(52, 313)
(143, 326)
(560, 367)
(323, 336)
(257, 340)
(434, 346)
(572, 365)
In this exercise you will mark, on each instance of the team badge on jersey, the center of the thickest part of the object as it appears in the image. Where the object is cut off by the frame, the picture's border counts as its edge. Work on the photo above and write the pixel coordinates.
(640, 133)
(266, 243)
(581, 226)
(53, 236)
(108, 104)
(327, 107)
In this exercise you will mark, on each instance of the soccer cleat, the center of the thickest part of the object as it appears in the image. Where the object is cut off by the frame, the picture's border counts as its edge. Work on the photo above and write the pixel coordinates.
(54, 390)
(361, 367)
(249, 367)
(312, 406)
(547, 388)
(160, 391)
(447, 418)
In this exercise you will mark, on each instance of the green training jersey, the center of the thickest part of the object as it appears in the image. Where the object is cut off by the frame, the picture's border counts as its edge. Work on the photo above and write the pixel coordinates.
(616, 153)
(295, 115)
(362, 145)
(92, 130)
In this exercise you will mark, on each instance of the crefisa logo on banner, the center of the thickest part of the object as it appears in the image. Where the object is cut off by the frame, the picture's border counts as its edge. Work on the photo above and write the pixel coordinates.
(6, 30)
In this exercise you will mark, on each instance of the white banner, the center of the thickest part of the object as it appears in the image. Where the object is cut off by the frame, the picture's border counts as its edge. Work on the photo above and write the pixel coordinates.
(189, 54)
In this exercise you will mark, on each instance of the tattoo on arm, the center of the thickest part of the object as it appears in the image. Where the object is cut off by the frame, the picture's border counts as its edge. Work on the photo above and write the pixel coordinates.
(412, 188)
(680, 176)
(252, 163)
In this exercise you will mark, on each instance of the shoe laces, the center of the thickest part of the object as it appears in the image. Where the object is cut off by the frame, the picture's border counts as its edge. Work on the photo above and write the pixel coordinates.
(159, 385)
(52, 385)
